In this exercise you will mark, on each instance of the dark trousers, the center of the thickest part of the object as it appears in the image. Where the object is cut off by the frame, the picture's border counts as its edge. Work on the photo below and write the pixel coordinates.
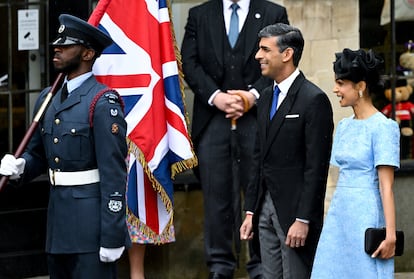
(215, 166)
(79, 266)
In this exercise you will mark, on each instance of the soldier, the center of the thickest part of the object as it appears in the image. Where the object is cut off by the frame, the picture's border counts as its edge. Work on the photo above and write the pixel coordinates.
(81, 144)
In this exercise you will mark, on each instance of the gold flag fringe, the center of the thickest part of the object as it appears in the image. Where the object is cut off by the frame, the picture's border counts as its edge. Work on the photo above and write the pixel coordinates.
(179, 62)
(193, 162)
(184, 165)
(133, 148)
(168, 234)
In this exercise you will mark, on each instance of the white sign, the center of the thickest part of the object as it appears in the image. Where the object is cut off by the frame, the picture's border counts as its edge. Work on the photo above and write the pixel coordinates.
(28, 29)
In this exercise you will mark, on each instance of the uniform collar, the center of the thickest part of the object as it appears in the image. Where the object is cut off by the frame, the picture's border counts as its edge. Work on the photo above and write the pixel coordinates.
(77, 81)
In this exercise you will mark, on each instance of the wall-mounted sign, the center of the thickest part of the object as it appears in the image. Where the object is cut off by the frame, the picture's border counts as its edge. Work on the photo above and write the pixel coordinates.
(28, 29)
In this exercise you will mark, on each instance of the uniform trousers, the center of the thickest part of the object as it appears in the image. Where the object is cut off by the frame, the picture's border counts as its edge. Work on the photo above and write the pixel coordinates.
(80, 266)
(278, 260)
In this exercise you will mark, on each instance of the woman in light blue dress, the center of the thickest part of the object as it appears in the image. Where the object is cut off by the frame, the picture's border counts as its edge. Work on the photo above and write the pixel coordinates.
(366, 150)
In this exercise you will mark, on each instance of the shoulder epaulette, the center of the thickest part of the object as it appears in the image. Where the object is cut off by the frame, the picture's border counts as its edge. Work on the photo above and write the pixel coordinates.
(112, 97)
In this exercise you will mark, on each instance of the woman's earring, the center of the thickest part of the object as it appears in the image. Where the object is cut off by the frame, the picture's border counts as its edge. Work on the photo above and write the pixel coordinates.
(361, 94)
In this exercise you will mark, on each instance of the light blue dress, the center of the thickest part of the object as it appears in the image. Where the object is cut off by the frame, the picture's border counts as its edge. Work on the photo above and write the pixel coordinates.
(359, 147)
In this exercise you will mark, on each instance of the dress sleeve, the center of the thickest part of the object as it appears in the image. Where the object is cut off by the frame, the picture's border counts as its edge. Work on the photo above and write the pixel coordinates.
(386, 144)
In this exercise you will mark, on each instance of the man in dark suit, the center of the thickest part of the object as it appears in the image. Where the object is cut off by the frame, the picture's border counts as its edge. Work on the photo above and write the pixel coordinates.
(80, 143)
(290, 167)
(214, 63)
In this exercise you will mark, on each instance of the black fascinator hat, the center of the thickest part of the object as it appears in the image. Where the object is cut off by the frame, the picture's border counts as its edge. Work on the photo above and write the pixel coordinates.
(358, 65)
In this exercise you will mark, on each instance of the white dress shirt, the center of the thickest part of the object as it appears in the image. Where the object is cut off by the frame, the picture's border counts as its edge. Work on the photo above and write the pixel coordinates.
(242, 12)
(76, 82)
(285, 85)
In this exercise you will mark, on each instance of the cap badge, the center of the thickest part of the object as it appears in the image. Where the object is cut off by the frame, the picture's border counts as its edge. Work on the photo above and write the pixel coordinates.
(61, 29)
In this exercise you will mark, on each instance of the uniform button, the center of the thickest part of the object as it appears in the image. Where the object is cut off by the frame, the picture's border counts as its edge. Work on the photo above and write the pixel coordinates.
(55, 140)
(57, 159)
(43, 130)
(73, 131)
(57, 121)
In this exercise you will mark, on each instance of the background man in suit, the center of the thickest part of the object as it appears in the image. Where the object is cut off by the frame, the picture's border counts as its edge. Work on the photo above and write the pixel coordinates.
(287, 188)
(218, 55)
(84, 154)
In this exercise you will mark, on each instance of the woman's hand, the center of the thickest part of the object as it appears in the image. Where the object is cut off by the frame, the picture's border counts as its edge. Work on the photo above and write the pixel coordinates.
(386, 250)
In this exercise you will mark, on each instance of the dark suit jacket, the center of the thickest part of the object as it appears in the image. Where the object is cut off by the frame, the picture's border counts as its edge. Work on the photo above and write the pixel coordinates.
(292, 158)
(202, 52)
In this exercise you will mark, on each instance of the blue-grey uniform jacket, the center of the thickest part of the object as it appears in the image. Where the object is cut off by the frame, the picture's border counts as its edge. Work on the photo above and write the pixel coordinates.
(82, 218)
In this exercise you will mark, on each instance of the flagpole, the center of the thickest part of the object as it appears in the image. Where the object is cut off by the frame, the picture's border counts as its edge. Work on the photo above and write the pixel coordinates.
(35, 123)
(393, 56)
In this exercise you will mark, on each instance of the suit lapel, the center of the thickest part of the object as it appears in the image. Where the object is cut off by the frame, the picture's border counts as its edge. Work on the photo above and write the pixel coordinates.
(263, 113)
(284, 108)
(217, 34)
(75, 95)
(56, 100)
(252, 26)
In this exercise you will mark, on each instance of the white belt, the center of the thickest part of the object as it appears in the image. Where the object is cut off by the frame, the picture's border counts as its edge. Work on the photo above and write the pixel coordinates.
(72, 178)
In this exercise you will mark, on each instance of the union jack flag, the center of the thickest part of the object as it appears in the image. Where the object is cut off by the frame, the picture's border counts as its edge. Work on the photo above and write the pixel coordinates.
(142, 66)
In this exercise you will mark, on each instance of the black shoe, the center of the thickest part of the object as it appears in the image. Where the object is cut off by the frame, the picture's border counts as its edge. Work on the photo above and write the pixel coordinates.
(215, 275)
(258, 277)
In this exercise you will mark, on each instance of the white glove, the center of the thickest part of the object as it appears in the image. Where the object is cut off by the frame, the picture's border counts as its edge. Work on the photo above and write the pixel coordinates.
(108, 255)
(12, 167)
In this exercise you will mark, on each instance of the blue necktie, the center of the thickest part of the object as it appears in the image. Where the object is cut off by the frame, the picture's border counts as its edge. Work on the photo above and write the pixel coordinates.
(273, 109)
(234, 25)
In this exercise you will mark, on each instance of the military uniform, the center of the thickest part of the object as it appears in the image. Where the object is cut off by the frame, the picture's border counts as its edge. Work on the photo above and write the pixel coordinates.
(81, 144)
(92, 214)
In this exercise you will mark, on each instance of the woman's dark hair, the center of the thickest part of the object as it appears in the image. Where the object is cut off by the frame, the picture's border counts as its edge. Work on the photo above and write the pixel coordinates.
(287, 36)
(360, 65)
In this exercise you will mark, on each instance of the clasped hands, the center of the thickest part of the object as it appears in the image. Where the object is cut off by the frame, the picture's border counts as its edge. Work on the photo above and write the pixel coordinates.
(234, 103)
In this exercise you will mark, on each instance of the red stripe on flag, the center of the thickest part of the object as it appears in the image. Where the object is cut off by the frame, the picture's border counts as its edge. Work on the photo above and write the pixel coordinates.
(175, 121)
(151, 206)
(142, 29)
(152, 127)
(126, 81)
(150, 132)
(167, 49)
